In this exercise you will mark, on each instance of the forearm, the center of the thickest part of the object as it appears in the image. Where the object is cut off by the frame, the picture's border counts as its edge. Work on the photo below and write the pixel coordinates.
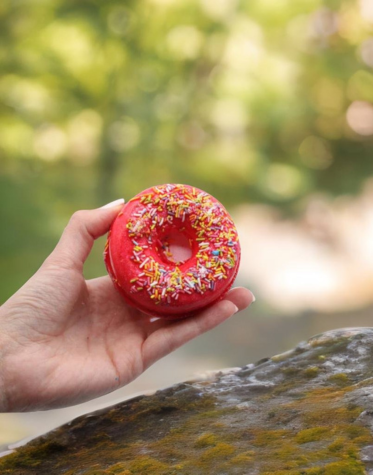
(8, 348)
(14, 358)
(3, 351)
(3, 398)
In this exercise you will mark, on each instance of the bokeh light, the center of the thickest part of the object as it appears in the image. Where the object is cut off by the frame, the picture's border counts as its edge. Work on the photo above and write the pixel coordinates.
(360, 117)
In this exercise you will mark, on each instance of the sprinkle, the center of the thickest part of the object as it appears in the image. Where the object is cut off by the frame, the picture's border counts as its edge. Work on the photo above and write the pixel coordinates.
(143, 263)
(174, 205)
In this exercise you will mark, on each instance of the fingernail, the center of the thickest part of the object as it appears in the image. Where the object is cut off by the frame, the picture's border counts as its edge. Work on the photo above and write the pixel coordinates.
(236, 309)
(253, 299)
(114, 203)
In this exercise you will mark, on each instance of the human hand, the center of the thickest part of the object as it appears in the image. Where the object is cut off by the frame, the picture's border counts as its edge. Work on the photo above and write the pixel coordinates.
(65, 340)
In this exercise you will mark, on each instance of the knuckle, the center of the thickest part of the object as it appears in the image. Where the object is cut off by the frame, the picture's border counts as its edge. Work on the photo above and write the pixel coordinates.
(53, 262)
(78, 218)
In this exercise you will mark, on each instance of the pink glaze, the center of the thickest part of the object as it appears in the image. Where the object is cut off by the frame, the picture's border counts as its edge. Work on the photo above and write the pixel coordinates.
(151, 235)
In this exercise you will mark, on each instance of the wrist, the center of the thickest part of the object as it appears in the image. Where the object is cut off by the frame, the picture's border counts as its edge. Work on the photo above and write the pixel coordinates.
(4, 346)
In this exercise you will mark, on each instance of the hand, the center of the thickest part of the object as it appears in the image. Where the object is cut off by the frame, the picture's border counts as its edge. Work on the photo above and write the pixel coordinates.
(64, 340)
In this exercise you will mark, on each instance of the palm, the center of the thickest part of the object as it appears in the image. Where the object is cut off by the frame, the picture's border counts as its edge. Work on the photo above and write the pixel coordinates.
(91, 333)
(76, 340)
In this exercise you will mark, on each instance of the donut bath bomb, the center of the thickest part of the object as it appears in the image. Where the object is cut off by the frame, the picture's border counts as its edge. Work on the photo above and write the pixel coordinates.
(172, 250)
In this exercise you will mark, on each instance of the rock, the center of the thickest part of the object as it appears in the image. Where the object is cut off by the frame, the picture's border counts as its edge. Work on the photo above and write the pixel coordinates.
(366, 453)
(306, 411)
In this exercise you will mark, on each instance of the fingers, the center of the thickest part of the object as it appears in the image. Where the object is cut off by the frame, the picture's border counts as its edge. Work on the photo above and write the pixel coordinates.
(241, 297)
(78, 237)
(170, 336)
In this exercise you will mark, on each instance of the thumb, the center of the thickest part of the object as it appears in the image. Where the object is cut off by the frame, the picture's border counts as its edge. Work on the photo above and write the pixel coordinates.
(80, 233)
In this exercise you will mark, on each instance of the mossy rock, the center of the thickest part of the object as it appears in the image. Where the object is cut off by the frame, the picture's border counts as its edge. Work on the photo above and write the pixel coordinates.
(305, 412)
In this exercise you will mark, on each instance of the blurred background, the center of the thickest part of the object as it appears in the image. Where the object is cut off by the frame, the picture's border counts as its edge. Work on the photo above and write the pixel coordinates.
(265, 104)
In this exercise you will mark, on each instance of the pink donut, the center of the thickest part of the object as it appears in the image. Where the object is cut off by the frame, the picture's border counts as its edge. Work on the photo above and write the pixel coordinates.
(172, 251)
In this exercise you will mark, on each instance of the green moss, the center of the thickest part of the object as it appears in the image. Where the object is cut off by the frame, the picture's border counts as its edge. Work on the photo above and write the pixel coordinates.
(288, 453)
(283, 472)
(145, 464)
(220, 451)
(355, 431)
(311, 372)
(243, 458)
(120, 469)
(155, 406)
(345, 467)
(99, 472)
(341, 379)
(326, 393)
(283, 388)
(206, 440)
(30, 455)
(267, 437)
(215, 414)
(337, 445)
(331, 415)
(366, 439)
(290, 370)
(281, 357)
(311, 435)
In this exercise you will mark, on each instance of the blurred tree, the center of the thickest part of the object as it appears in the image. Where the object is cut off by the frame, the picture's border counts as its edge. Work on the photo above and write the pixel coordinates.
(252, 100)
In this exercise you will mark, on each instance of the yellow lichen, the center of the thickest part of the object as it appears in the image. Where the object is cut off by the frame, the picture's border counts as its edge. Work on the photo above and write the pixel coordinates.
(345, 467)
(206, 440)
(313, 434)
(243, 458)
(120, 468)
(220, 451)
(331, 415)
(265, 437)
(145, 464)
(338, 444)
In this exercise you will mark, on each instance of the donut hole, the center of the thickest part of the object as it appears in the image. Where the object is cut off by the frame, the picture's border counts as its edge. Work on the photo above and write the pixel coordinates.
(175, 248)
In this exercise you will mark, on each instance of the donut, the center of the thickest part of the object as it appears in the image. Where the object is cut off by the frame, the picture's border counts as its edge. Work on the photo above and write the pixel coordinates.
(172, 250)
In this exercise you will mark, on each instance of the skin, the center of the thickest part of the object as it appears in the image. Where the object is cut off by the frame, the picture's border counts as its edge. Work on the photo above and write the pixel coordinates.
(65, 340)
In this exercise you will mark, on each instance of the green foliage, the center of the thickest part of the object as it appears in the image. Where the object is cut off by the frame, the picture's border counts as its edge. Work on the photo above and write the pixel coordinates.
(245, 99)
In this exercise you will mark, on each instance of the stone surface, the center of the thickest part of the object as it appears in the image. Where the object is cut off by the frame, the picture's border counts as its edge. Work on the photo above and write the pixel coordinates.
(306, 411)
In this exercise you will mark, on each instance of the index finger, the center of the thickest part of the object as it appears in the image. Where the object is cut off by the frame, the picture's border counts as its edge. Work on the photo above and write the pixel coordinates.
(171, 335)
(79, 235)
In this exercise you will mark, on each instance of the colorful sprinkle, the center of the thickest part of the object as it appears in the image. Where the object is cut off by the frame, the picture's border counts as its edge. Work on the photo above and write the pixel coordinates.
(204, 222)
